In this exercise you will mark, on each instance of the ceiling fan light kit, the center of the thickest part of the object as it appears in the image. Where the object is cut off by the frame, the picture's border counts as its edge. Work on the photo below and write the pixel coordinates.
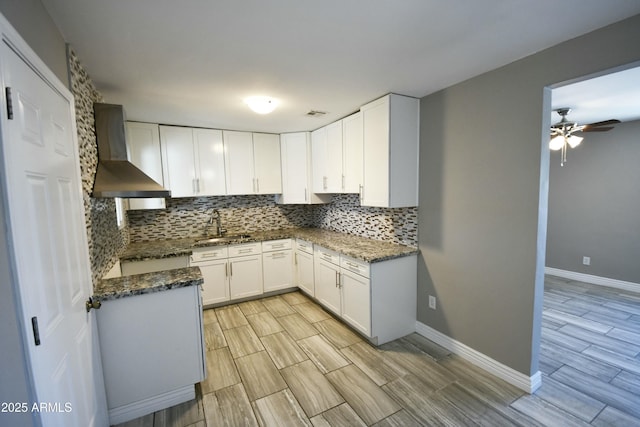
(562, 133)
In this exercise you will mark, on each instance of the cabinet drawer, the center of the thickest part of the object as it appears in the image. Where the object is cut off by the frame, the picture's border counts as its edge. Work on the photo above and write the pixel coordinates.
(206, 254)
(327, 255)
(244, 249)
(304, 246)
(357, 266)
(276, 245)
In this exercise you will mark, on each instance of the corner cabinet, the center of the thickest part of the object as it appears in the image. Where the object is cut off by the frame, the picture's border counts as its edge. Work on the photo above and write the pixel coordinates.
(391, 127)
(377, 299)
(295, 154)
(252, 162)
(192, 161)
(143, 150)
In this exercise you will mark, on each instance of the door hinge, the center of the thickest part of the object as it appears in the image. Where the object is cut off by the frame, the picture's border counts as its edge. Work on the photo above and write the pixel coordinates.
(7, 91)
(36, 332)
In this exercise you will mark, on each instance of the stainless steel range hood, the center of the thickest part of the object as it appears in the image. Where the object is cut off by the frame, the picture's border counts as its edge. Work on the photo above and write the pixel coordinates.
(116, 176)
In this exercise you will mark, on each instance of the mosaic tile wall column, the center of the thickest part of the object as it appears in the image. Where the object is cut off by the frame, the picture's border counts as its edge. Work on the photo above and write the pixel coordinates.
(187, 217)
(345, 215)
(104, 238)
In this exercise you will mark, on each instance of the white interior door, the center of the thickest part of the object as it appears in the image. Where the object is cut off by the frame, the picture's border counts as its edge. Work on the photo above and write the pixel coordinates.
(50, 253)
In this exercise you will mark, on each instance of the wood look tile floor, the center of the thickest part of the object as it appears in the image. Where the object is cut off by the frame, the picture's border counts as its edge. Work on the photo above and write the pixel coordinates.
(284, 361)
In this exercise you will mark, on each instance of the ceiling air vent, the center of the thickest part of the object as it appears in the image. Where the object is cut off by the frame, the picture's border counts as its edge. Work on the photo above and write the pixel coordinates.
(316, 113)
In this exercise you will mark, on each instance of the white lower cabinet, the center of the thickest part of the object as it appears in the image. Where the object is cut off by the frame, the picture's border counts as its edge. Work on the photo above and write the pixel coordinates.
(245, 270)
(327, 279)
(377, 299)
(304, 267)
(152, 351)
(214, 266)
(356, 294)
(277, 264)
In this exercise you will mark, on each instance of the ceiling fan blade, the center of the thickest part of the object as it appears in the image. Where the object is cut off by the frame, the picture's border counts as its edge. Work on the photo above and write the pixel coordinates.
(604, 123)
(588, 128)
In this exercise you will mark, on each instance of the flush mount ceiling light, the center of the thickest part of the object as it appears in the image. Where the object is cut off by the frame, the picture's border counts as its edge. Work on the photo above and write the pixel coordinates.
(562, 133)
(261, 104)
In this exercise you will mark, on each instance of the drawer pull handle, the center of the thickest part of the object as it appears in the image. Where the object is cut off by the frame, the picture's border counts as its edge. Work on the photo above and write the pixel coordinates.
(277, 245)
(244, 251)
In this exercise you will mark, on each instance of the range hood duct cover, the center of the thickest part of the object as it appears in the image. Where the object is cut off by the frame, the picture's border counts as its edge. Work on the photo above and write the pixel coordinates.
(115, 175)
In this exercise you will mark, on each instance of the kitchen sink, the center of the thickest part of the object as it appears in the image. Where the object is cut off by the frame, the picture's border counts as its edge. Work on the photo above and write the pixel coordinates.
(222, 239)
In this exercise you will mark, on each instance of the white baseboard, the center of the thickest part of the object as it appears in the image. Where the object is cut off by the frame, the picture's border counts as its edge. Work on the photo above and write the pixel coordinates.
(595, 280)
(518, 379)
(135, 410)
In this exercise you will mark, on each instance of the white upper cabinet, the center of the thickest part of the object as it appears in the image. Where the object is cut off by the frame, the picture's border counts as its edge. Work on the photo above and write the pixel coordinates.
(295, 153)
(391, 138)
(192, 161)
(268, 172)
(209, 159)
(319, 160)
(352, 156)
(143, 150)
(252, 162)
(238, 159)
(327, 151)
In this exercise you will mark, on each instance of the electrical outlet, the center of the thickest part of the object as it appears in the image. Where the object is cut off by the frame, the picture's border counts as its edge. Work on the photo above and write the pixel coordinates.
(586, 260)
(432, 302)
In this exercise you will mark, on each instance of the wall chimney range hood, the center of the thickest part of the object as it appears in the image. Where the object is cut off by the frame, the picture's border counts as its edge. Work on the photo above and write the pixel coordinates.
(115, 175)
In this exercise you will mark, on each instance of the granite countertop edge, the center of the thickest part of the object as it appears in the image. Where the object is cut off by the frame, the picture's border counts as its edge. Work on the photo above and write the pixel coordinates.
(140, 284)
(362, 248)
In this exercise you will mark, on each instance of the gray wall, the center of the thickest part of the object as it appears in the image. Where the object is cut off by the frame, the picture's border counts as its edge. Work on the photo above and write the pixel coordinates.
(32, 21)
(483, 195)
(594, 200)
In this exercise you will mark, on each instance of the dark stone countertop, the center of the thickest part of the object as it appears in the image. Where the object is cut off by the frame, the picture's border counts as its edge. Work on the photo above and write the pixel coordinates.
(139, 284)
(368, 250)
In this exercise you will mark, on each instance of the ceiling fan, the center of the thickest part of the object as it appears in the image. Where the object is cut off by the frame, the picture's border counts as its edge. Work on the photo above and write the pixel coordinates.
(562, 133)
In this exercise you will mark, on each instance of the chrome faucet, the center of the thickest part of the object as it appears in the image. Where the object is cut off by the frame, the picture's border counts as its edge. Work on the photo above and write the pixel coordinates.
(215, 216)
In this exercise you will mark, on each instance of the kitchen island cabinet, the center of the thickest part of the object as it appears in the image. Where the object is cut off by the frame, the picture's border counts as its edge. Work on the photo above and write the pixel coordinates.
(151, 341)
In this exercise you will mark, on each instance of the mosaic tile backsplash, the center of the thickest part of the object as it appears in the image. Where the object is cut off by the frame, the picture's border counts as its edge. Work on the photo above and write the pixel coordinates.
(104, 238)
(188, 217)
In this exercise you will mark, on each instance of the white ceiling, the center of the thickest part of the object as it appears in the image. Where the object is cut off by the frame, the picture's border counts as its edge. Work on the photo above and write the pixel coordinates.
(611, 96)
(192, 62)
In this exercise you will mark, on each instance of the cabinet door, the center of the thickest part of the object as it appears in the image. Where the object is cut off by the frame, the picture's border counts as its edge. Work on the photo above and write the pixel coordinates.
(209, 160)
(266, 154)
(304, 272)
(356, 301)
(278, 270)
(178, 160)
(333, 164)
(327, 290)
(375, 118)
(352, 153)
(143, 150)
(245, 276)
(293, 155)
(319, 160)
(215, 288)
(238, 162)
